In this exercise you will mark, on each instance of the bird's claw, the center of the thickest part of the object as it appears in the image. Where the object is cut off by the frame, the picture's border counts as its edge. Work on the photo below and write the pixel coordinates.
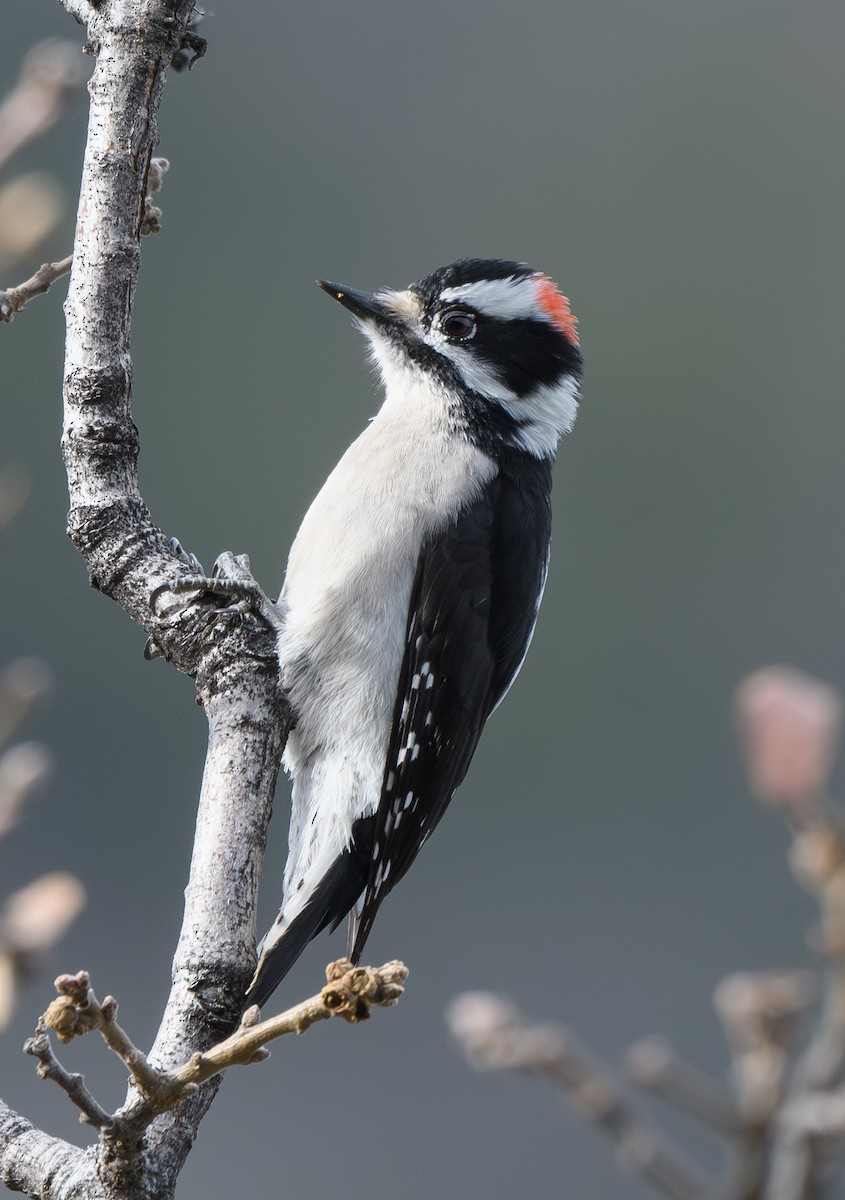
(186, 557)
(230, 577)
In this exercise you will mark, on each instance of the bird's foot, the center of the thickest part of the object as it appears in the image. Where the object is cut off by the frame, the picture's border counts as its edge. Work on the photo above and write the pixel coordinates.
(230, 577)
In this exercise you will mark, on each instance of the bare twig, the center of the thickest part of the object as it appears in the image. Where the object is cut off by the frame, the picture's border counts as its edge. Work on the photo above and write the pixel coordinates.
(77, 1010)
(24, 683)
(49, 1067)
(31, 207)
(790, 726)
(817, 858)
(51, 73)
(760, 1014)
(493, 1036)
(24, 769)
(36, 916)
(653, 1065)
(13, 299)
(810, 1132)
(350, 993)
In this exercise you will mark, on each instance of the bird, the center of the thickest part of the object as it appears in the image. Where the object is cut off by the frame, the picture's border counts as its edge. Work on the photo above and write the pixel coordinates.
(413, 585)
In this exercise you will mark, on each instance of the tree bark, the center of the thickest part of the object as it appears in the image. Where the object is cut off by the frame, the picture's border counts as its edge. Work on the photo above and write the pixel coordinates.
(232, 659)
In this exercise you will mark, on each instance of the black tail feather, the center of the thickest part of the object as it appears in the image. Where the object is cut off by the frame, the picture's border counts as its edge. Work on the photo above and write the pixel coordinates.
(330, 901)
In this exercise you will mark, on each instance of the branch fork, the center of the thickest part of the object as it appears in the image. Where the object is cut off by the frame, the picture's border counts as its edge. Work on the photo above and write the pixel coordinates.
(351, 993)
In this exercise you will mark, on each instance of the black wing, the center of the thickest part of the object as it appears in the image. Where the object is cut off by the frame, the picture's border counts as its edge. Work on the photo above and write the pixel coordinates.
(472, 612)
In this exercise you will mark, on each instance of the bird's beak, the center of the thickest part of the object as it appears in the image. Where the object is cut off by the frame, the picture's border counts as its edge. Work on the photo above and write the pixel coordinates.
(361, 304)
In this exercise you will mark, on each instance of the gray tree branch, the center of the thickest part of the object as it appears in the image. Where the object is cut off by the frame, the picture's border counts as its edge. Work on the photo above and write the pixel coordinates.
(129, 558)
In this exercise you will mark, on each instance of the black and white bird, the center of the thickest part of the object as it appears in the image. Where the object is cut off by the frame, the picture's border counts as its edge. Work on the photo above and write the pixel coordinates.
(413, 584)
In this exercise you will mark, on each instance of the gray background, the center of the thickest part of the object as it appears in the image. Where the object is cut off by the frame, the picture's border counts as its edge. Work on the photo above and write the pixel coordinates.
(678, 168)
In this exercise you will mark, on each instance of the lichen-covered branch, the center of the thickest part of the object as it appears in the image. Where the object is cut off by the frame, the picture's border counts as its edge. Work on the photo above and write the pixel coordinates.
(39, 1165)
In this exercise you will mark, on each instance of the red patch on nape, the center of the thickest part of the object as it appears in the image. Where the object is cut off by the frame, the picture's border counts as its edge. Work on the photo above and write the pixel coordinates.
(556, 307)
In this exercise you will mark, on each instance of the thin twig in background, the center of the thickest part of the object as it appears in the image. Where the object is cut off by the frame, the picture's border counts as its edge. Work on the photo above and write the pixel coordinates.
(51, 75)
(493, 1035)
(785, 1122)
(35, 917)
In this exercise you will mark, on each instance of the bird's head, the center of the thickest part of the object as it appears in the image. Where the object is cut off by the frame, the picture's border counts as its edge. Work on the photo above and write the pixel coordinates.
(496, 339)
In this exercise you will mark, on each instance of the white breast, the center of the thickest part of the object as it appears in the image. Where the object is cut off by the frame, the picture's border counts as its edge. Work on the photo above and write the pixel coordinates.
(346, 597)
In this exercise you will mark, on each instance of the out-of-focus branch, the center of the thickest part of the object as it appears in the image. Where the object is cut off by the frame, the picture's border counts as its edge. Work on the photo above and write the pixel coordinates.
(785, 1123)
(790, 726)
(31, 207)
(24, 770)
(51, 74)
(760, 1015)
(817, 859)
(654, 1066)
(35, 917)
(24, 684)
(492, 1035)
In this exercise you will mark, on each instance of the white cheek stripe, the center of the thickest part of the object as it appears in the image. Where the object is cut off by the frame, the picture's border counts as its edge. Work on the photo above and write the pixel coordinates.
(548, 413)
(544, 414)
(478, 375)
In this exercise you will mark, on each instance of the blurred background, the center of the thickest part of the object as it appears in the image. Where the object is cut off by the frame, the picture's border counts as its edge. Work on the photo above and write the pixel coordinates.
(677, 167)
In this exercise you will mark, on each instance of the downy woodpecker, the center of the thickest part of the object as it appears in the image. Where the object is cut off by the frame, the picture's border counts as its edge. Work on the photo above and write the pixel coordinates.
(413, 584)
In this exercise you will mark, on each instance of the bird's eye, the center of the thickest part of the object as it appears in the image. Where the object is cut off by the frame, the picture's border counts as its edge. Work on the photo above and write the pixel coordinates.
(456, 323)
